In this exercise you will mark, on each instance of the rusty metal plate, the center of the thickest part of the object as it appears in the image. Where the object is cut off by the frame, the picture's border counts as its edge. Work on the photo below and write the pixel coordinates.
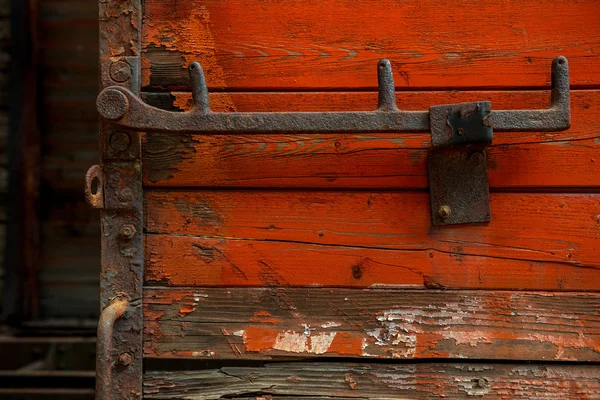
(458, 180)
(461, 124)
(458, 184)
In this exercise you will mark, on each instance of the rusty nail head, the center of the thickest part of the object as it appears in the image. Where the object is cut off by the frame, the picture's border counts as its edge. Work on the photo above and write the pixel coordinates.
(127, 231)
(125, 359)
(126, 195)
(444, 212)
(477, 158)
(481, 383)
(120, 71)
(119, 141)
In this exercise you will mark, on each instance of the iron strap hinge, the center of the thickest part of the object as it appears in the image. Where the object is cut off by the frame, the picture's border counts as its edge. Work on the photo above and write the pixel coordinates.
(459, 132)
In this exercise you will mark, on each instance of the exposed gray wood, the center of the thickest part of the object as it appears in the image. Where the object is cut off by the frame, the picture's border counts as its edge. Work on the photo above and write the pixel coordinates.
(263, 323)
(378, 381)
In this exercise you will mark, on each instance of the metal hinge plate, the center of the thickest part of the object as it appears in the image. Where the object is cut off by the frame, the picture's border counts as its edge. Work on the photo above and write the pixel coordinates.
(457, 163)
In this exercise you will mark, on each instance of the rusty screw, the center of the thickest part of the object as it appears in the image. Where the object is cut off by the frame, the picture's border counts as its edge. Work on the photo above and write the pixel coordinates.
(120, 71)
(444, 212)
(476, 158)
(125, 359)
(127, 231)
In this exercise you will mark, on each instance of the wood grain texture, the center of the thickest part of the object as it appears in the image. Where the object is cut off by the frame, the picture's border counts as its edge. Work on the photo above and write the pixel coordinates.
(515, 160)
(362, 239)
(274, 44)
(262, 323)
(333, 381)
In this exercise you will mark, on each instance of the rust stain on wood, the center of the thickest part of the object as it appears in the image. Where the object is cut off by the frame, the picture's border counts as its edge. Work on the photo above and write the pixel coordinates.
(165, 153)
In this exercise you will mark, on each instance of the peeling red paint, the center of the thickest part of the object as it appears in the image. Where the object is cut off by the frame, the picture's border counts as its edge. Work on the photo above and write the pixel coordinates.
(264, 317)
(347, 344)
(186, 310)
(259, 339)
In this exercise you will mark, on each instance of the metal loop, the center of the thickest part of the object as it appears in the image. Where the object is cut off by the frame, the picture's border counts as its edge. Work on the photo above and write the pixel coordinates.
(94, 187)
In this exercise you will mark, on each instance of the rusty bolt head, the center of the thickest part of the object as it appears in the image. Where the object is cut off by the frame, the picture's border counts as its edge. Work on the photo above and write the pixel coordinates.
(476, 158)
(125, 359)
(127, 231)
(119, 141)
(112, 104)
(444, 212)
(120, 71)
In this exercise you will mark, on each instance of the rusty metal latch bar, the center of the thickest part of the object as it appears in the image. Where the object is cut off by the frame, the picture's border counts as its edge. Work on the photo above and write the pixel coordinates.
(454, 128)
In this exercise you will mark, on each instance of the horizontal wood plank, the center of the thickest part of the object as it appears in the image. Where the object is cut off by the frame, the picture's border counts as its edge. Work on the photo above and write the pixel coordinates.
(273, 44)
(516, 160)
(263, 323)
(363, 239)
(334, 381)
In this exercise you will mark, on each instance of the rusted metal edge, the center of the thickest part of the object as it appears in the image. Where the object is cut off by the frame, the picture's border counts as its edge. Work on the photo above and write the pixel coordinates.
(122, 250)
(104, 348)
(123, 109)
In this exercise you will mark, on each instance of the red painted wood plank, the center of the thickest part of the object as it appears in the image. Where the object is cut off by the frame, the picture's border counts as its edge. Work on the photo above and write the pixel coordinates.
(362, 239)
(272, 44)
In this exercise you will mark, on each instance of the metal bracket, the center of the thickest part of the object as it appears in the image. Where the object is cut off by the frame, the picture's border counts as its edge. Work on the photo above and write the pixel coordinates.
(458, 131)
(457, 163)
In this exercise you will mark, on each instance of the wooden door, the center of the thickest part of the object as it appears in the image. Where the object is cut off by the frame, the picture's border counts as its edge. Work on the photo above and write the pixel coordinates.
(318, 249)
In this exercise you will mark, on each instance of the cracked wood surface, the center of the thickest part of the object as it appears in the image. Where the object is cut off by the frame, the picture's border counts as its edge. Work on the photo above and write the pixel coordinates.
(264, 323)
(329, 381)
(365, 239)
(273, 44)
(516, 160)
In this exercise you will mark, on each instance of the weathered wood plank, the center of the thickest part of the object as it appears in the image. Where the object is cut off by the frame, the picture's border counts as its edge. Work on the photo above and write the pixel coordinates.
(364, 239)
(262, 323)
(515, 160)
(329, 381)
(274, 44)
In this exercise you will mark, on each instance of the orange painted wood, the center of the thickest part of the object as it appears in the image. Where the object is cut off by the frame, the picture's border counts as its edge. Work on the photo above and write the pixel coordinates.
(516, 159)
(272, 44)
(262, 323)
(364, 239)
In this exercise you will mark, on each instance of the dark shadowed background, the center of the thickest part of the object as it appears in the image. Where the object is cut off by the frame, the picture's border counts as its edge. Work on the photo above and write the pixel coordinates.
(49, 276)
